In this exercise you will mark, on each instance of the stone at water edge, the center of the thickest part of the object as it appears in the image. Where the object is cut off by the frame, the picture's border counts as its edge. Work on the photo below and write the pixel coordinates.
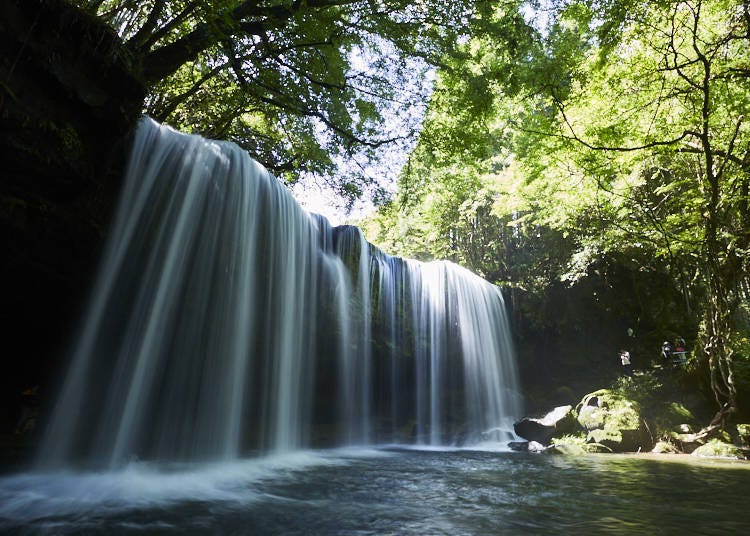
(665, 447)
(717, 448)
(559, 421)
(536, 447)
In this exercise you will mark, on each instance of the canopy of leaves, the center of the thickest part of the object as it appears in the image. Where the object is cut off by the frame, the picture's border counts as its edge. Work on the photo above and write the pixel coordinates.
(307, 86)
(615, 128)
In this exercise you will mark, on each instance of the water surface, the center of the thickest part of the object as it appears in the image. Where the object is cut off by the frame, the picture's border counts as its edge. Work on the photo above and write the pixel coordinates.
(388, 491)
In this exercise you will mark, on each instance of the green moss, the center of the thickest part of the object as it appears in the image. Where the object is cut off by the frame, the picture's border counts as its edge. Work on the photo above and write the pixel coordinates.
(575, 445)
(665, 447)
(611, 411)
(612, 421)
(677, 410)
(605, 436)
(566, 449)
(717, 448)
(743, 434)
(570, 439)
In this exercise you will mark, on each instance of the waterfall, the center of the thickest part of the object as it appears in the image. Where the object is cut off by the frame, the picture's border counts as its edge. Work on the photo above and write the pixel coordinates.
(227, 320)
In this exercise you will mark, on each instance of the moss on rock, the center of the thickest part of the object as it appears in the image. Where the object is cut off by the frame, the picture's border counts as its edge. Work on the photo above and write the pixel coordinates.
(743, 434)
(717, 448)
(575, 444)
(665, 447)
(613, 421)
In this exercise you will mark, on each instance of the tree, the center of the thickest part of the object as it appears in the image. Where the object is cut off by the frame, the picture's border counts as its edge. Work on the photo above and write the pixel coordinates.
(667, 101)
(622, 127)
(302, 84)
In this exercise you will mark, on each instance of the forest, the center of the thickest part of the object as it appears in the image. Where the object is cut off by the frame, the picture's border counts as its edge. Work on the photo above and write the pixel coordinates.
(592, 157)
(600, 141)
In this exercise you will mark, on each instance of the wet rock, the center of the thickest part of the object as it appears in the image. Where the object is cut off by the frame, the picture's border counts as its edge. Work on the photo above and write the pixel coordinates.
(560, 420)
(519, 446)
(536, 447)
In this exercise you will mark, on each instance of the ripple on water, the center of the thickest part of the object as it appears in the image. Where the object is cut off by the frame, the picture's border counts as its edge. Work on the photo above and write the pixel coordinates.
(376, 491)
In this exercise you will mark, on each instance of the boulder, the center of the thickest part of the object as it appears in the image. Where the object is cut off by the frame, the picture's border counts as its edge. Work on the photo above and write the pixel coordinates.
(687, 442)
(665, 447)
(743, 434)
(519, 446)
(559, 421)
(574, 445)
(719, 449)
(613, 421)
(536, 447)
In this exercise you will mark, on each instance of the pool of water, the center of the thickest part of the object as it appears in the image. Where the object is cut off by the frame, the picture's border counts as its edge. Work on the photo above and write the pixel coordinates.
(388, 491)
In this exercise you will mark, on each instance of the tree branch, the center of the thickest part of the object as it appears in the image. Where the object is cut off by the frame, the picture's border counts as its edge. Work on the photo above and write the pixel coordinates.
(573, 136)
(166, 60)
(148, 27)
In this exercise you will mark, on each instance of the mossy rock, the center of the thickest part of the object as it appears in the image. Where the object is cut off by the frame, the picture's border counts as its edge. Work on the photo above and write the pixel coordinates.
(680, 413)
(597, 448)
(719, 449)
(591, 417)
(575, 445)
(665, 447)
(684, 428)
(567, 449)
(603, 408)
(616, 440)
(612, 421)
(687, 442)
(743, 434)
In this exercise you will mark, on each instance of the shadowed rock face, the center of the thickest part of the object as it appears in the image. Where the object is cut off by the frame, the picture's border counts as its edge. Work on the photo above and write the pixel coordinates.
(68, 101)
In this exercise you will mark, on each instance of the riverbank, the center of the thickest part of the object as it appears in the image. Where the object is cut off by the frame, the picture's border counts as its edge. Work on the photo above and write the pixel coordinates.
(652, 412)
(702, 461)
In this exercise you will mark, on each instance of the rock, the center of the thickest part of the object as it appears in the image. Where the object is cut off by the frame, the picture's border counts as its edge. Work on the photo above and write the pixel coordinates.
(590, 413)
(560, 420)
(743, 434)
(719, 449)
(665, 447)
(575, 446)
(612, 421)
(684, 428)
(615, 440)
(566, 449)
(597, 448)
(519, 446)
(536, 447)
(687, 442)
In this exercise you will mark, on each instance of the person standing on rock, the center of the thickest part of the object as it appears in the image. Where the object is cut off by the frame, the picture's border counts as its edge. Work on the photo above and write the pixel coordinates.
(625, 360)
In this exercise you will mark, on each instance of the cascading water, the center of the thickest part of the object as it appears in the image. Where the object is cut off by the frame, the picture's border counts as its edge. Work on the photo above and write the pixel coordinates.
(227, 319)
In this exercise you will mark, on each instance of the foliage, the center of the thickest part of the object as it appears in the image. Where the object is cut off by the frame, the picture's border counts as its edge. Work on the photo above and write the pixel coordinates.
(616, 130)
(307, 86)
(574, 445)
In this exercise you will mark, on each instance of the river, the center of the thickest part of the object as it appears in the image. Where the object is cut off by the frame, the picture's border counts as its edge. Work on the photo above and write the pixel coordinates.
(388, 491)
